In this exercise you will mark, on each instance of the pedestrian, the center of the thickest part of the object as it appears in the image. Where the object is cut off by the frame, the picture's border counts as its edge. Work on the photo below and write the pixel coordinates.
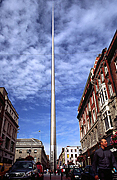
(104, 160)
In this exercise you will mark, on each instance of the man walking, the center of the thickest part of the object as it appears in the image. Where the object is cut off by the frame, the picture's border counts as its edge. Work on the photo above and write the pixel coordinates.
(104, 160)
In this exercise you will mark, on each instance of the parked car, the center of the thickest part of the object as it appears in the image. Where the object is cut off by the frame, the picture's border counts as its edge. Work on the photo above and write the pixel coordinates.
(22, 170)
(76, 173)
(88, 173)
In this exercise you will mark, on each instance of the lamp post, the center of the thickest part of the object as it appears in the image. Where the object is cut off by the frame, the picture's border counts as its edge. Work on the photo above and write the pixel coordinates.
(80, 151)
(29, 152)
(40, 135)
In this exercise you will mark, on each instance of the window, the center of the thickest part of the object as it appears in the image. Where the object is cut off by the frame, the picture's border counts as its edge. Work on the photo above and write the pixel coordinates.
(14, 133)
(12, 146)
(99, 103)
(110, 120)
(67, 150)
(99, 82)
(29, 151)
(13, 130)
(106, 123)
(71, 150)
(94, 116)
(7, 143)
(3, 137)
(75, 150)
(110, 89)
(75, 155)
(88, 123)
(20, 151)
(67, 155)
(6, 107)
(35, 150)
(115, 64)
(84, 129)
(107, 120)
(96, 87)
(8, 128)
(71, 155)
(90, 118)
(103, 95)
(4, 124)
(102, 77)
(106, 70)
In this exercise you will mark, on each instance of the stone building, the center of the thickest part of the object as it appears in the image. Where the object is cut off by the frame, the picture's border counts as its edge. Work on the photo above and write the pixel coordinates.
(97, 111)
(2, 106)
(8, 128)
(32, 147)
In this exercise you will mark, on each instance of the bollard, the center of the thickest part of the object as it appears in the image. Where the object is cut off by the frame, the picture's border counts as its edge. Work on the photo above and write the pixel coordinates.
(50, 175)
(61, 175)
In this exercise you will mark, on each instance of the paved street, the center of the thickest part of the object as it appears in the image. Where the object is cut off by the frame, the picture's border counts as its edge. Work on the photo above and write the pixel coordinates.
(53, 177)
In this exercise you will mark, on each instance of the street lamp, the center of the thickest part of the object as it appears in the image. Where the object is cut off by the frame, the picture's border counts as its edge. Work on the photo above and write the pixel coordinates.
(40, 135)
(29, 151)
(80, 151)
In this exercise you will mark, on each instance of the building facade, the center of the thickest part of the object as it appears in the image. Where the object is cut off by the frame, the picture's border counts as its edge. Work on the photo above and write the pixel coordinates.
(8, 128)
(61, 160)
(32, 147)
(97, 111)
(68, 156)
(71, 154)
(2, 107)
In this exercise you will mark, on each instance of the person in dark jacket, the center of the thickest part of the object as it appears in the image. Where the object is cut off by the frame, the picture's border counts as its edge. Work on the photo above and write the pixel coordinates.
(104, 160)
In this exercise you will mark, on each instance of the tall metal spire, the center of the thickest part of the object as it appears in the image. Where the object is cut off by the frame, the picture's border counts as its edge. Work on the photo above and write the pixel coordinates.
(53, 111)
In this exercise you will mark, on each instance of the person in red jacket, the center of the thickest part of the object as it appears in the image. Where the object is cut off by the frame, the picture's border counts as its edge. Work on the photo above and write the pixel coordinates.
(39, 167)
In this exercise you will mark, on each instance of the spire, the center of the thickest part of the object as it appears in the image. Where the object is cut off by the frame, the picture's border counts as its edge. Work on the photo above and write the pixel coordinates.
(53, 112)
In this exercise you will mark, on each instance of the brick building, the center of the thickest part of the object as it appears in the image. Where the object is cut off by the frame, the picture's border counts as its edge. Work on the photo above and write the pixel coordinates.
(97, 111)
(8, 128)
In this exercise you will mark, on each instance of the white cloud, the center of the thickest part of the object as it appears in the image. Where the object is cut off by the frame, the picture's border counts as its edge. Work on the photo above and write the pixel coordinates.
(82, 30)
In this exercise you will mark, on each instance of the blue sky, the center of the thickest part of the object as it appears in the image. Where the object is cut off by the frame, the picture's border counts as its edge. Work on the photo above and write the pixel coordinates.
(82, 29)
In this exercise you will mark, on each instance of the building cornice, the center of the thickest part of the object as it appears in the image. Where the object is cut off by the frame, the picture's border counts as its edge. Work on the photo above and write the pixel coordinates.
(112, 47)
